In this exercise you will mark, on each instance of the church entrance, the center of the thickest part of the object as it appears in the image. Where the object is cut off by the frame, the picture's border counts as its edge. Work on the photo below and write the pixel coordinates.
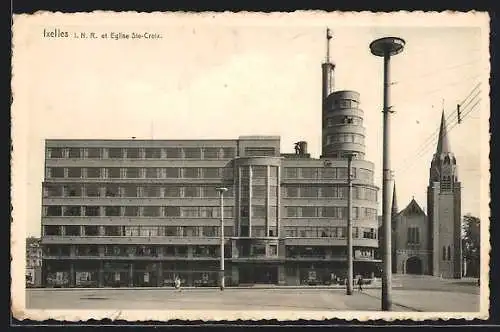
(414, 265)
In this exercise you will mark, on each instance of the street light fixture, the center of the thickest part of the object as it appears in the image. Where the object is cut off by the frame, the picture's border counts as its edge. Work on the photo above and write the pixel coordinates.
(386, 47)
(350, 268)
(221, 191)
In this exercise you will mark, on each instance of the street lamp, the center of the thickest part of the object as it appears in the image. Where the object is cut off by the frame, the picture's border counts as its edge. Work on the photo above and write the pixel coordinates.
(221, 191)
(386, 47)
(350, 269)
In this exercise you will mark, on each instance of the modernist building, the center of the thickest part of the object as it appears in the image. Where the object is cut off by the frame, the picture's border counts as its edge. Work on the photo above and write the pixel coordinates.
(139, 212)
(431, 244)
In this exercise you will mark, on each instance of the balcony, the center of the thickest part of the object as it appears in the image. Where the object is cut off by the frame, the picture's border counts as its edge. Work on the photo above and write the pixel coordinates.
(326, 241)
(153, 240)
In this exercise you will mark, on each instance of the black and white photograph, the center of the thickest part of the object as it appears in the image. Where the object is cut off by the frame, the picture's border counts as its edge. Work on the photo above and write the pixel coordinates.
(225, 166)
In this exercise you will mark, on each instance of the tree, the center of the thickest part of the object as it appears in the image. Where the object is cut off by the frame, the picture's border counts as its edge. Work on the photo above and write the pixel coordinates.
(470, 245)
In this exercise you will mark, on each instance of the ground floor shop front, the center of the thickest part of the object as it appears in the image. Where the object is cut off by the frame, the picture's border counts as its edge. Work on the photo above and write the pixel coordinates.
(99, 273)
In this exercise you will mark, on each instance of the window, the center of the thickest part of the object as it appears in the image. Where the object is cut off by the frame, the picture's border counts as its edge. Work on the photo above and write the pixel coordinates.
(72, 230)
(192, 153)
(244, 231)
(189, 212)
(90, 230)
(133, 153)
(260, 151)
(93, 172)
(113, 172)
(148, 231)
(291, 172)
(152, 191)
(190, 172)
(151, 211)
(259, 211)
(211, 173)
(152, 173)
(52, 230)
(190, 231)
(330, 191)
(273, 231)
(210, 153)
(259, 172)
(292, 211)
(73, 190)
(369, 233)
(75, 153)
(132, 173)
(210, 192)
(57, 153)
(413, 235)
(112, 190)
(308, 211)
(208, 212)
(259, 191)
(449, 253)
(173, 153)
(113, 230)
(309, 173)
(92, 211)
(172, 172)
(115, 153)
(153, 153)
(328, 173)
(171, 231)
(444, 253)
(244, 212)
(342, 173)
(228, 153)
(93, 153)
(53, 190)
(72, 211)
(131, 211)
(92, 190)
(292, 191)
(191, 191)
(172, 211)
(228, 212)
(74, 172)
(130, 191)
(309, 192)
(210, 231)
(112, 211)
(172, 191)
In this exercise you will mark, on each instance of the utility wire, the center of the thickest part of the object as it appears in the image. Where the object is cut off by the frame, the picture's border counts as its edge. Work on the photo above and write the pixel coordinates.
(407, 166)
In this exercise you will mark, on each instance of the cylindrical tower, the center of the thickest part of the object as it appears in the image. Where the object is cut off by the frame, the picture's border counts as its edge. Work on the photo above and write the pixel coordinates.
(343, 132)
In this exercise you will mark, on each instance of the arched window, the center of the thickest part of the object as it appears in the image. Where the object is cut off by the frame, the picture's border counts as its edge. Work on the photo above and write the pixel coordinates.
(444, 253)
(447, 160)
(449, 253)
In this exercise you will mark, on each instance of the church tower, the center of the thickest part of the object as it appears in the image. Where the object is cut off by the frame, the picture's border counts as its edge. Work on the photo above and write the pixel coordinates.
(444, 210)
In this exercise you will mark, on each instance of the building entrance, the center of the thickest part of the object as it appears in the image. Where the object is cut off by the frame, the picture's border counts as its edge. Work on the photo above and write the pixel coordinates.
(414, 265)
(254, 274)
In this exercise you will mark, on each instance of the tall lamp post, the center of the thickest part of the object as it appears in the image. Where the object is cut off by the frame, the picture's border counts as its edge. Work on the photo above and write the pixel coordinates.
(350, 269)
(221, 191)
(386, 47)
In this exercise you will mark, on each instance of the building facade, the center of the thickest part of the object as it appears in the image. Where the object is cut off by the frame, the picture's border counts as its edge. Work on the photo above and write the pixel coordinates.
(141, 212)
(33, 262)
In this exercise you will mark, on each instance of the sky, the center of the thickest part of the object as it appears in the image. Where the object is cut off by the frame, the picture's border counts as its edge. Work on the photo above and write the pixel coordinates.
(225, 76)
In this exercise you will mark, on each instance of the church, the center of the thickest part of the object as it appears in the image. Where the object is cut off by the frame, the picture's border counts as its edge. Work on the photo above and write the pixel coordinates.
(430, 243)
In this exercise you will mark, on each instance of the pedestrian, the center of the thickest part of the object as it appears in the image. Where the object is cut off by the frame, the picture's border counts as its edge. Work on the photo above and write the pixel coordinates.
(360, 283)
(177, 283)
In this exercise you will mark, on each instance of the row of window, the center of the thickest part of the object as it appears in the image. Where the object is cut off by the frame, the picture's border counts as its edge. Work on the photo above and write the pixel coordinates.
(137, 211)
(259, 171)
(142, 153)
(345, 103)
(322, 252)
(91, 230)
(141, 250)
(327, 173)
(139, 172)
(132, 190)
(331, 232)
(148, 231)
(332, 191)
(345, 138)
(446, 254)
(413, 236)
(344, 120)
(337, 212)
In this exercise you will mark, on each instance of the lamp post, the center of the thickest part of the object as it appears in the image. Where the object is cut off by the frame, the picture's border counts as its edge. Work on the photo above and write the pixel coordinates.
(221, 191)
(386, 47)
(350, 268)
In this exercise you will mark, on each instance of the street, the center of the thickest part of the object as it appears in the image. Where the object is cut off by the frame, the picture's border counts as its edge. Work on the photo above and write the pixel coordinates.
(415, 294)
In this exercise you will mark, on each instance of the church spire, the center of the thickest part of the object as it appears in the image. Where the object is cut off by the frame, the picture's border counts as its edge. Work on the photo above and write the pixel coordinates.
(443, 145)
(394, 201)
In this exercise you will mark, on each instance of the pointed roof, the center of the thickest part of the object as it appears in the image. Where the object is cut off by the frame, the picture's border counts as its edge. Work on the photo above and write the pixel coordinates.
(443, 145)
(412, 208)
(394, 201)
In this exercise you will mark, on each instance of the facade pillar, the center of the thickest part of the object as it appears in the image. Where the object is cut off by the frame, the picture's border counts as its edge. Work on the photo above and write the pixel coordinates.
(100, 275)
(234, 249)
(281, 274)
(250, 194)
(131, 275)
(235, 275)
(72, 275)
(159, 272)
(190, 252)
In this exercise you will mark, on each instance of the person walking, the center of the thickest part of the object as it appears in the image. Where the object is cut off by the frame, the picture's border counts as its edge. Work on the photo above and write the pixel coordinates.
(177, 283)
(360, 283)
